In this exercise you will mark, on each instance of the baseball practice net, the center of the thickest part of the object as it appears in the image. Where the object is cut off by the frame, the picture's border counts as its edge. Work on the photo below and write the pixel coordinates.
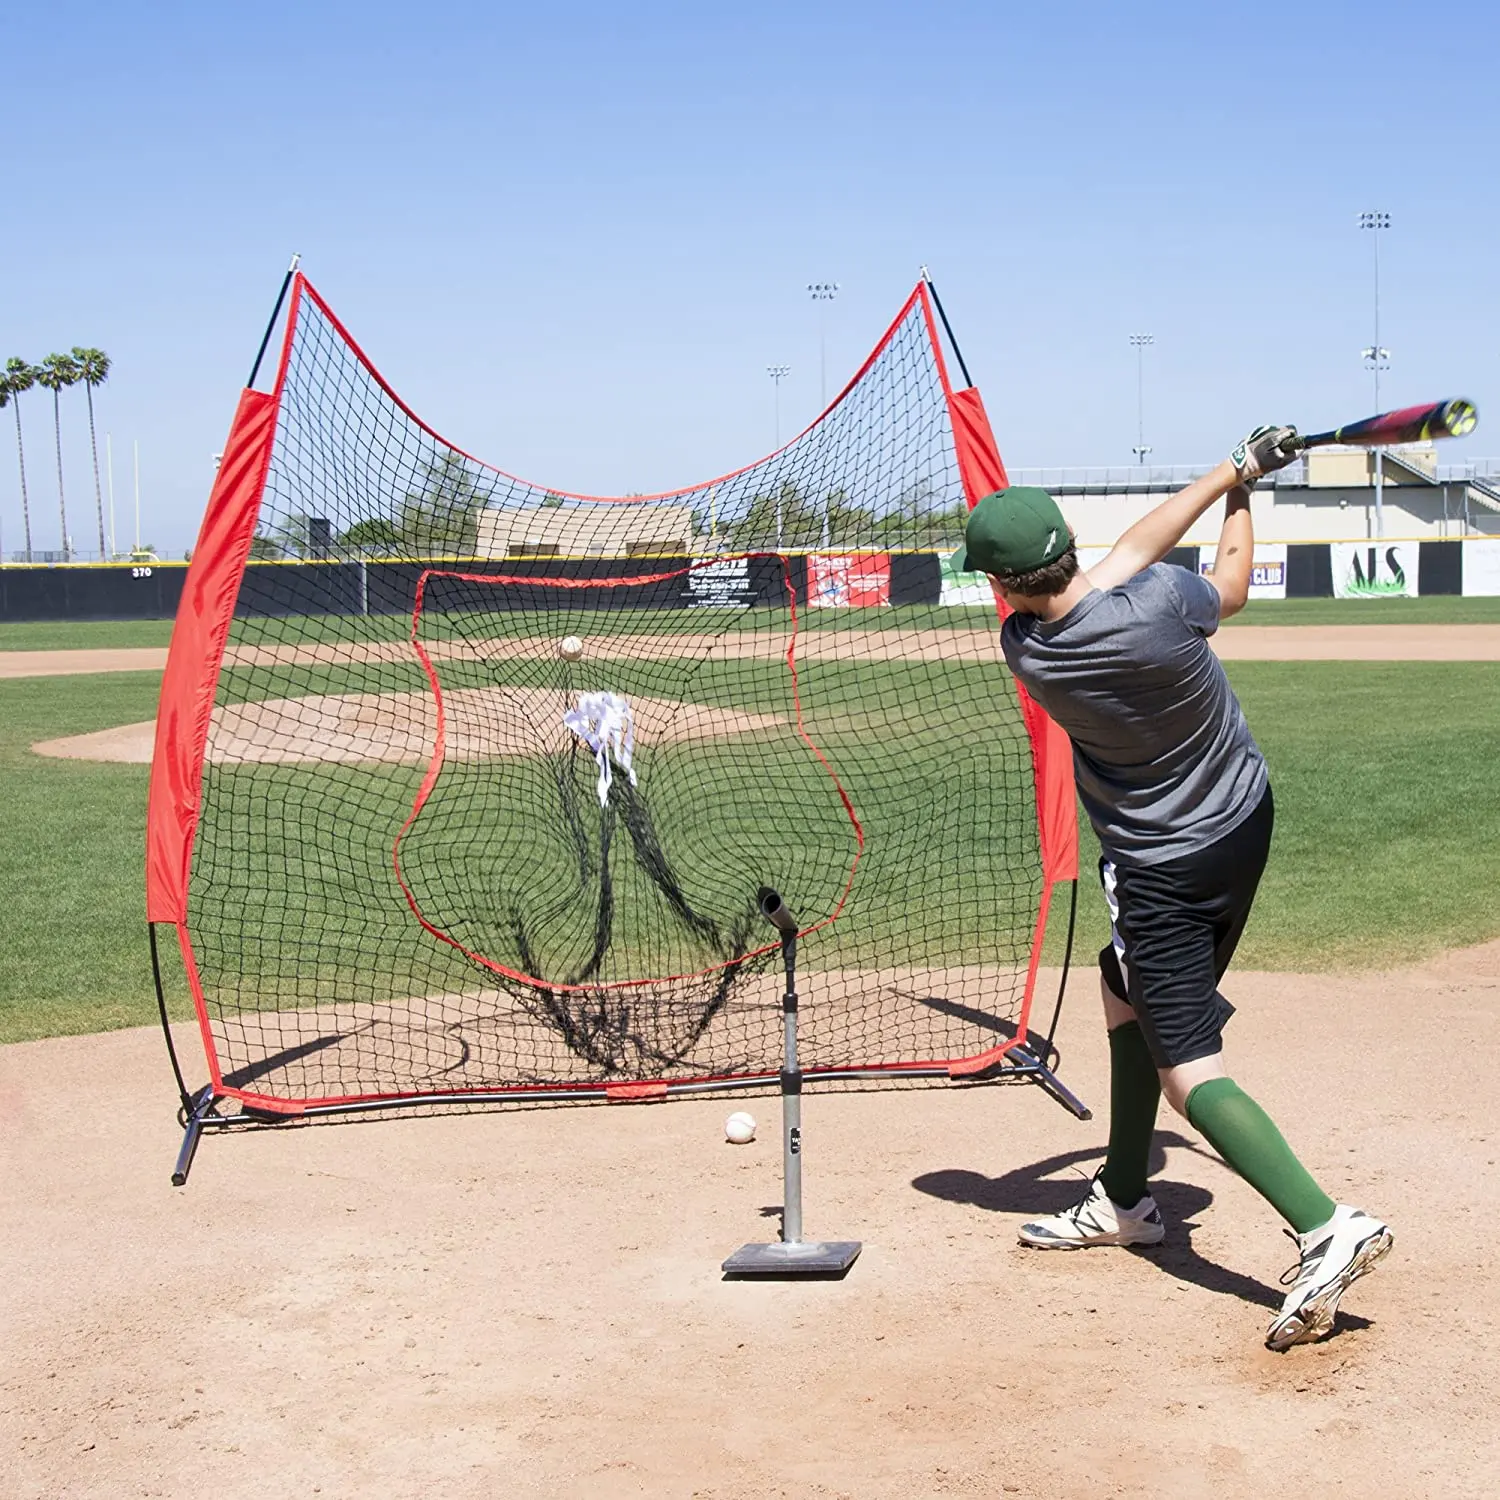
(466, 789)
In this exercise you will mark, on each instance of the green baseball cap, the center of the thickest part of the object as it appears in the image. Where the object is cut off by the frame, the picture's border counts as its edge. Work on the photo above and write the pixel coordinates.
(1013, 531)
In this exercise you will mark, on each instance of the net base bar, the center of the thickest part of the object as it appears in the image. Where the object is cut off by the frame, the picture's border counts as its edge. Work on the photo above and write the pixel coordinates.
(1018, 1066)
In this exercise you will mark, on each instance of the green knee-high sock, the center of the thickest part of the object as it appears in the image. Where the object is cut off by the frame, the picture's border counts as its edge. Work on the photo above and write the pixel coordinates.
(1134, 1092)
(1246, 1137)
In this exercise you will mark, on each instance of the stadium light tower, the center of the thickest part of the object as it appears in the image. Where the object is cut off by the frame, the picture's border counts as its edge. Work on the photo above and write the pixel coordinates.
(1140, 342)
(1377, 359)
(823, 292)
(778, 373)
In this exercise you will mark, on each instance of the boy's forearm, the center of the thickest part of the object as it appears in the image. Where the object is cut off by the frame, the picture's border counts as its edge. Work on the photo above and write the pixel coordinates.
(1236, 553)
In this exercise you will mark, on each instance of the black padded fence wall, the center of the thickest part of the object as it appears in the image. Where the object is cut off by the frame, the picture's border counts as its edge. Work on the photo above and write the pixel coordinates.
(916, 577)
(311, 588)
(152, 592)
(124, 592)
(1440, 568)
(1309, 571)
(390, 588)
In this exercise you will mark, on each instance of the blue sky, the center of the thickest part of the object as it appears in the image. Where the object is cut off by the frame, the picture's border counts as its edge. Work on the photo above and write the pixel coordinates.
(574, 235)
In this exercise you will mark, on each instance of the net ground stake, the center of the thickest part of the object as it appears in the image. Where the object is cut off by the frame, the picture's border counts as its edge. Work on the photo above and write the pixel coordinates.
(791, 1255)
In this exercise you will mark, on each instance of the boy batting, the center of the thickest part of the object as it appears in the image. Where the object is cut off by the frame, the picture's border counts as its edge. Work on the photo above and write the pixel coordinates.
(1178, 794)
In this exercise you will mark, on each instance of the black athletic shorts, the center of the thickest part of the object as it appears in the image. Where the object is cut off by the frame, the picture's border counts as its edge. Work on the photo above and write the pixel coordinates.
(1174, 927)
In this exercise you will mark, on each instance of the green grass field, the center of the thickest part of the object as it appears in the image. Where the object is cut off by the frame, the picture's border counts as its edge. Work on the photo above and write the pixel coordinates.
(1439, 609)
(1388, 822)
(74, 635)
(82, 635)
(71, 882)
(1387, 812)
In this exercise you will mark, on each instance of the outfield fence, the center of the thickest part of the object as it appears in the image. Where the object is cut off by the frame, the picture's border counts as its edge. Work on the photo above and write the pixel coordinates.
(1294, 570)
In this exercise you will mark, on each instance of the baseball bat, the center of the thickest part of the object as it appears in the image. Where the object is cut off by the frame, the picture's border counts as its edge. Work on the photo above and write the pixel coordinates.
(1438, 419)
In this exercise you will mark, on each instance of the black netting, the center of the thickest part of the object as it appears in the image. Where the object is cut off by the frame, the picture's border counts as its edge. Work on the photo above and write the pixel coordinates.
(410, 874)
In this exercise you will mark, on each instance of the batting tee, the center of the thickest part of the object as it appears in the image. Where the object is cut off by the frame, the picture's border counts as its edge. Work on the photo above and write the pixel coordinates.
(415, 852)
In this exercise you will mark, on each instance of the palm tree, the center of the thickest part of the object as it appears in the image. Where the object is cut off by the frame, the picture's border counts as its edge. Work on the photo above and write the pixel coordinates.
(93, 369)
(4, 402)
(56, 373)
(19, 376)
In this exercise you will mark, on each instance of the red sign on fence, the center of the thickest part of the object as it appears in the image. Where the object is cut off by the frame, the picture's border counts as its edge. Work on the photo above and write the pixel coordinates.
(848, 581)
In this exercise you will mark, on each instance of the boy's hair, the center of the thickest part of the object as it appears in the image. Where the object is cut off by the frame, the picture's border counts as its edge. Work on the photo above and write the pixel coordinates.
(1045, 581)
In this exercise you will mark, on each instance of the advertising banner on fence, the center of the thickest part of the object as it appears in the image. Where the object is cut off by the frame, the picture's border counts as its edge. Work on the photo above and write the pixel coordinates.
(1482, 568)
(963, 588)
(1267, 571)
(1374, 570)
(721, 585)
(848, 582)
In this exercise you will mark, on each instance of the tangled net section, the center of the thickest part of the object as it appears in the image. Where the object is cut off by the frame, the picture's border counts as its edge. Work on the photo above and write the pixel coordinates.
(611, 790)
(433, 852)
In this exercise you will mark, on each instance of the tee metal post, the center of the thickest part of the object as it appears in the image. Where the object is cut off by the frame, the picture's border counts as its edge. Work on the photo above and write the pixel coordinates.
(791, 1097)
(792, 1256)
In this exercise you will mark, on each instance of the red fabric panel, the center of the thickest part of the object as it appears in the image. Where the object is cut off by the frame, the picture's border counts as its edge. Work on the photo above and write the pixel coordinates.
(1056, 798)
(192, 675)
(983, 471)
(980, 466)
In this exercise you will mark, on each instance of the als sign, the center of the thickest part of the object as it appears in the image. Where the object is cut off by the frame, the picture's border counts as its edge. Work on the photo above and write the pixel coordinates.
(1374, 570)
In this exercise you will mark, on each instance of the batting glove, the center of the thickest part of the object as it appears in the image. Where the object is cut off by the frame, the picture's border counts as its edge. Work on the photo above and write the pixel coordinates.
(1266, 449)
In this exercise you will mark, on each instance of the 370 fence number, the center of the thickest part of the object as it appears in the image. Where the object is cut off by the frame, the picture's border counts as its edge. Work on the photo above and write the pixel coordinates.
(140, 572)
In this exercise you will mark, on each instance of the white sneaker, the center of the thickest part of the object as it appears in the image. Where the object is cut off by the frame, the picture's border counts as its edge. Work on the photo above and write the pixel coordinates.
(1096, 1220)
(1332, 1257)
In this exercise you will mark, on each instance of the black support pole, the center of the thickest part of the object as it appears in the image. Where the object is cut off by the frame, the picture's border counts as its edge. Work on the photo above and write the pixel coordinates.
(286, 281)
(958, 353)
(199, 1110)
(1067, 959)
(166, 1026)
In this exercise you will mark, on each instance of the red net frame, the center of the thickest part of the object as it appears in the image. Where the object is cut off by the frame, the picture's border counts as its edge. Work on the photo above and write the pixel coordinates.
(192, 694)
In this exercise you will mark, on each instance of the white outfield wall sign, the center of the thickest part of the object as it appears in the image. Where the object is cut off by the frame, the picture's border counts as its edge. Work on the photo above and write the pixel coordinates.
(1481, 568)
(963, 588)
(1267, 569)
(1374, 570)
(721, 585)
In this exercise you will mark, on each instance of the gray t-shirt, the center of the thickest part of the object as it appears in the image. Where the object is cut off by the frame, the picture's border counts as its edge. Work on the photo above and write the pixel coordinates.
(1163, 757)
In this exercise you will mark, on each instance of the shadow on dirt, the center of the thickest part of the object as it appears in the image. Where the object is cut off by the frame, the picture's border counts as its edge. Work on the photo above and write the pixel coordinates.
(1038, 1189)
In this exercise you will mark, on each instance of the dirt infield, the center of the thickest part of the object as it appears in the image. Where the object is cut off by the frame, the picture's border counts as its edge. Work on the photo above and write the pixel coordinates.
(1260, 643)
(396, 728)
(529, 1303)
